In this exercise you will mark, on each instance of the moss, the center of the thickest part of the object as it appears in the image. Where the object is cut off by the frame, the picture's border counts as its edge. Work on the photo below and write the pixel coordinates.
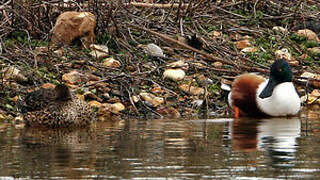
(311, 44)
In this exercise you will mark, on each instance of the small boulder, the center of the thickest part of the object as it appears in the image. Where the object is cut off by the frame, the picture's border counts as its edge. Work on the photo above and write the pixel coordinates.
(151, 100)
(192, 90)
(12, 73)
(310, 35)
(243, 44)
(73, 77)
(111, 62)
(174, 74)
(99, 51)
(72, 25)
(153, 50)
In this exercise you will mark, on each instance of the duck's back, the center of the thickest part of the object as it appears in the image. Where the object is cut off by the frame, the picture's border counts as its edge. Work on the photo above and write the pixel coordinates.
(44, 109)
(243, 93)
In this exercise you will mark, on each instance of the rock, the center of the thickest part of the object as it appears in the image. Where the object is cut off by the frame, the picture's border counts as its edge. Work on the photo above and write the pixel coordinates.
(18, 120)
(310, 35)
(182, 39)
(151, 100)
(12, 73)
(284, 54)
(197, 103)
(243, 44)
(215, 34)
(59, 52)
(217, 64)
(249, 50)
(135, 99)
(280, 29)
(177, 64)
(157, 90)
(315, 50)
(90, 96)
(303, 57)
(99, 51)
(192, 90)
(316, 82)
(48, 86)
(153, 50)
(110, 62)
(174, 74)
(73, 77)
(168, 112)
(94, 104)
(113, 108)
(312, 98)
(2, 116)
(72, 25)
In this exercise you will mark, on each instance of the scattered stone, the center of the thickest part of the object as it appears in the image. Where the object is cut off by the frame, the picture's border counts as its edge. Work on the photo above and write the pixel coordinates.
(284, 54)
(73, 77)
(94, 104)
(99, 51)
(18, 120)
(197, 103)
(2, 117)
(303, 57)
(13, 73)
(168, 112)
(113, 108)
(111, 62)
(157, 90)
(135, 99)
(315, 50)
(280, 29)
(243, 44)
(90, 96)
(153, 50)
(48, 86)
(177, 64)
(192, 90)
(249, 50)
(151, 100)
(215, 34)
(59, 52)
(174, 74)
(310, 35)
(316, 82)
(217, 64)
(41, 49)
(72, 25)
(182, 39)
(312, 98)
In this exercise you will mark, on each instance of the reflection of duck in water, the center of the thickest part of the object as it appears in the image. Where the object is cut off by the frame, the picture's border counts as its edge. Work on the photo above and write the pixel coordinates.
(254, 95)
(58, 107)
(276, 136)
(244, 134)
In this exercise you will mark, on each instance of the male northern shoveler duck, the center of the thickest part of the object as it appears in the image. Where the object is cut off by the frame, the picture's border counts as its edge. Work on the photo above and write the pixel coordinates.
(53, 108)
(253, 95)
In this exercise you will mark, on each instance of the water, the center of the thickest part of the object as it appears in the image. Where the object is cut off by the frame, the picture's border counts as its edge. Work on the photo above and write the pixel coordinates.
(278, 148)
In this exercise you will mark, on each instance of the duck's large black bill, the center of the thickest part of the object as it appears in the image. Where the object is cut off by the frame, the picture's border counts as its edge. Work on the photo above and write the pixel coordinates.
(268, 90)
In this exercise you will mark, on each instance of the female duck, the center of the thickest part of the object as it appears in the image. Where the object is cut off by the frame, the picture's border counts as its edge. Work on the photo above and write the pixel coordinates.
(58, 107)
(253, 95)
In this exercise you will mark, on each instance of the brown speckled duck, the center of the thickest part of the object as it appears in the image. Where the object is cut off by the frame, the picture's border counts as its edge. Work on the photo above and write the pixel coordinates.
(53, 108)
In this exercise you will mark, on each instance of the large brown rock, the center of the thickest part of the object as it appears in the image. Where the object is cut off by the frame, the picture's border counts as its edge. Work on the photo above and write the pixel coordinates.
(72, 25)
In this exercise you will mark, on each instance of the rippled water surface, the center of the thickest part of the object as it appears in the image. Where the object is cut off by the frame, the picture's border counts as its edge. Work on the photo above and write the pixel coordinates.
(281, 148)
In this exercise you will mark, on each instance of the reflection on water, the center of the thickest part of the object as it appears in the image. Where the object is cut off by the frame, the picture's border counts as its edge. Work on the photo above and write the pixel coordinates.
(282, 148)
(276, 136)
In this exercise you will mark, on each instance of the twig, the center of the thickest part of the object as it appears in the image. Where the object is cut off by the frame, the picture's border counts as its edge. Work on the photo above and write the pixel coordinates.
(154, 5)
